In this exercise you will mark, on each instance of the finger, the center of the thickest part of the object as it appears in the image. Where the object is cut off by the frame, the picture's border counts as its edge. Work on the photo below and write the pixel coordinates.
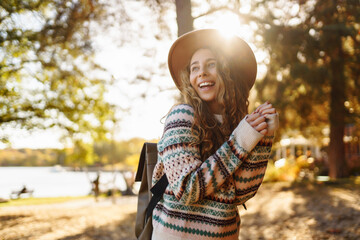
(264, 131)
(266, 107)
(262, 106)
(259, 107)
(252, 117)
(258, 121)
(268, 111)
(261, 127)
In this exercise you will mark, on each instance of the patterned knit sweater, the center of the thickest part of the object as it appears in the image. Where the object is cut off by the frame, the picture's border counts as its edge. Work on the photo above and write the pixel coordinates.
(201, 199)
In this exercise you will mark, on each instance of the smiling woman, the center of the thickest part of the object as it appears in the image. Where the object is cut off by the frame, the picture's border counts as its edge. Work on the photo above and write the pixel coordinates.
(213, 154)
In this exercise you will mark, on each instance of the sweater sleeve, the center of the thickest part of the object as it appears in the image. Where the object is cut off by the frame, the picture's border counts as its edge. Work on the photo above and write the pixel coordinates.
(190, 179)
(249, 176)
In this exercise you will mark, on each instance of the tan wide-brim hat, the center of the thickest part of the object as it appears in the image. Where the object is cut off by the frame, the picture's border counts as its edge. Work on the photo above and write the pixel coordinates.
(240, 57)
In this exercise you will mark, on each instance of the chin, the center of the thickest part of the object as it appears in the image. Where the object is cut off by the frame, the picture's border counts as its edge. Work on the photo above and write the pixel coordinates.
(208, 100)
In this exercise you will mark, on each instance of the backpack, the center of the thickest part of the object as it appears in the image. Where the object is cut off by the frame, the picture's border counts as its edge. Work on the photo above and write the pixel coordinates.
(148, 196)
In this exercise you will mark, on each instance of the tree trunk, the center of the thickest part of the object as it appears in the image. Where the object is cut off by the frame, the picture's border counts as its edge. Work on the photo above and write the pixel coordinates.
(337, 161)
(184, 18)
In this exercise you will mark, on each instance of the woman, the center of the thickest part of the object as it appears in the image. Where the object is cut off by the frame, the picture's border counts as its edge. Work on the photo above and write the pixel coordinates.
(213, 154)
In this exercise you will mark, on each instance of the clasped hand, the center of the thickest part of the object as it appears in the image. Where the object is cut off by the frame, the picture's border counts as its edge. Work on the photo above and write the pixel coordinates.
(257, 119)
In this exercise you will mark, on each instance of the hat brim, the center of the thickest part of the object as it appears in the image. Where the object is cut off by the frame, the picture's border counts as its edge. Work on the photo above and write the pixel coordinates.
(241, 58)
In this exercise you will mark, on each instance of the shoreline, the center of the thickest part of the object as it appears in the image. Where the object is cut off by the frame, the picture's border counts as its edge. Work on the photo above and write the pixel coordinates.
(38, 201)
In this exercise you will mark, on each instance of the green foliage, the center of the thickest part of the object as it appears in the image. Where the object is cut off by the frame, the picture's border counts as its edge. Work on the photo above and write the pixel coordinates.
(81, 155)
(309, 61)
(47, 76)
(123, 154)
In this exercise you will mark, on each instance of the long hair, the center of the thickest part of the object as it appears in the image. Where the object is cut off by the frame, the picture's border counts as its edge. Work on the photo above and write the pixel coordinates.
(233, 98)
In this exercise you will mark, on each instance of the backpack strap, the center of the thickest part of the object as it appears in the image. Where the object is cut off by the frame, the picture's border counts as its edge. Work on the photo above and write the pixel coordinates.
(147, 162)
(141, 164)
(158, 190)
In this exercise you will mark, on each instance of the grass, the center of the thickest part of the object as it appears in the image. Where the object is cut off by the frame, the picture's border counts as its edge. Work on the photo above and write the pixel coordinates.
(38, 201)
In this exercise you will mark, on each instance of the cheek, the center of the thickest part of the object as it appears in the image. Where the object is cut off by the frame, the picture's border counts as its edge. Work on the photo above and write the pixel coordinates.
(214, 73)
(192, 81)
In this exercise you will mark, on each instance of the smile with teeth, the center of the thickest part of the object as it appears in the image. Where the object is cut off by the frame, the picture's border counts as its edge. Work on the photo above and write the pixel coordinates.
(206, 84)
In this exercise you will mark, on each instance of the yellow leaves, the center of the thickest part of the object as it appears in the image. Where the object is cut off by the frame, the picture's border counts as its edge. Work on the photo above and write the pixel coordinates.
(132, 160)
(348, 45)
(302, 89)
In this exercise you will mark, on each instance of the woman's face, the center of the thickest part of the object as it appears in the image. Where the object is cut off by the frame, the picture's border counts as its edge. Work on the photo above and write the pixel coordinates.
(204, 77)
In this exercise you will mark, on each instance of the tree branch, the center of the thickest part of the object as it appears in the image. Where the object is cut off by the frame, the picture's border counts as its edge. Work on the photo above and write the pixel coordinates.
(243, 16)
(211, 11)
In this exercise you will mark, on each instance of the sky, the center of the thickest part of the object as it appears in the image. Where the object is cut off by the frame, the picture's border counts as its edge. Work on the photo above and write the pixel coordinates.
(131, 58)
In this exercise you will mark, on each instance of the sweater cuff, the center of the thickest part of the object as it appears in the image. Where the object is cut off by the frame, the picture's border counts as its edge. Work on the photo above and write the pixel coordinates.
(246, 136)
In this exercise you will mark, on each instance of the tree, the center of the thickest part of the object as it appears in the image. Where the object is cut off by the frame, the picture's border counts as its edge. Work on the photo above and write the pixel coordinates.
(184, 17)
(45, 65)
(314, 71)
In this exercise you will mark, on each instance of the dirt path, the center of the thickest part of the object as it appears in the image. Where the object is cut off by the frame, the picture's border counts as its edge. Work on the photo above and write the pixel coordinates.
(80, 219)
(305, 212)
(278, 211)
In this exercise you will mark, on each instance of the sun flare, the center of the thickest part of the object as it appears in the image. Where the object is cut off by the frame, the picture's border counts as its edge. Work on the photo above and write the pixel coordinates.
(225, 24)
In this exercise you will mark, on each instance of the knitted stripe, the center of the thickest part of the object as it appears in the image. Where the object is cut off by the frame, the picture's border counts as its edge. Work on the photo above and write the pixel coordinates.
(239, 154)
(205, 206)
(252, 166)
(258, 157)
(181, 109)
(194, 231)
(242, 200)
(201, 183)
(196, 217)
(223, 200)
(247, 190)
(250, 179)
(222, 167)
(177, 124)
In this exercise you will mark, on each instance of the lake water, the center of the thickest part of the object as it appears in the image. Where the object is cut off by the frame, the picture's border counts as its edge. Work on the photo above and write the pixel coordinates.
(54, 182)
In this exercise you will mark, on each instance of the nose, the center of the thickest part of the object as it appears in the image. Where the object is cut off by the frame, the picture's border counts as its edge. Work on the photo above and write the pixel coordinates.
(202, 72)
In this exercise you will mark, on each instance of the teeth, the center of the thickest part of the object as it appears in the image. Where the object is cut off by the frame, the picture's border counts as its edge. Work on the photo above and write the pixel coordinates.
(204, 84)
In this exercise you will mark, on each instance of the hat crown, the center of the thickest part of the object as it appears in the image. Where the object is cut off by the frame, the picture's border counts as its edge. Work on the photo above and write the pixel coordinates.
(241, 58)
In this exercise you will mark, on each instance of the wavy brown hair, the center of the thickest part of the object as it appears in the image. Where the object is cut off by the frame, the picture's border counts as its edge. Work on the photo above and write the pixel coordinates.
(233, 98)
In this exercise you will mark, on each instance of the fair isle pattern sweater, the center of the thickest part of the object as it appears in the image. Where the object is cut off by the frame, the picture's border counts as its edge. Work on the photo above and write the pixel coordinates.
(201, 199)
